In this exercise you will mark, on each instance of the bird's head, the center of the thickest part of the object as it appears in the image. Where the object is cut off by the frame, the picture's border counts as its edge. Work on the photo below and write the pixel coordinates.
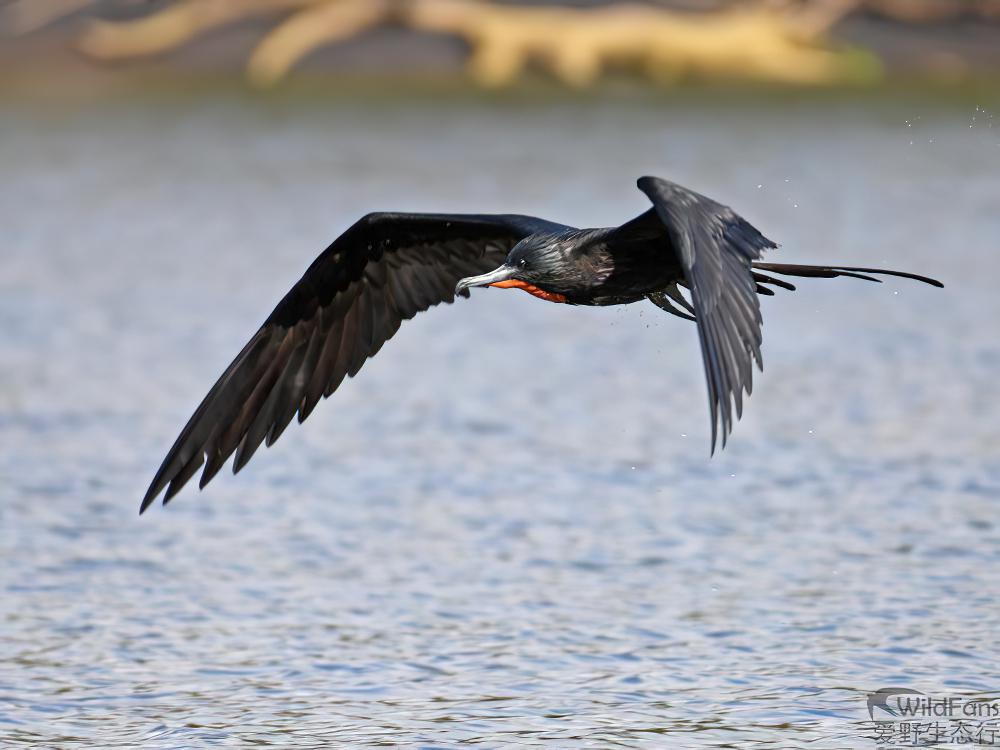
(547, 266)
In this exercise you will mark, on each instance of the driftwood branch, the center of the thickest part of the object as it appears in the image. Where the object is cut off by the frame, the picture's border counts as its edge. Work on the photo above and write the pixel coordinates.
(310, 29)
(25, 17)
(173, 26)
(575, 45)
(771, 40)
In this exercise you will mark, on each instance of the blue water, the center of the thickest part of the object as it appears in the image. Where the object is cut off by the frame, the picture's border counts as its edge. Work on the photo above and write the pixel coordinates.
(507, 530)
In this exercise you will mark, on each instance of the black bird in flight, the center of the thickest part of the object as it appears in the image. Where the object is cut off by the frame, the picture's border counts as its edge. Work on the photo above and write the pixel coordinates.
(390, 266)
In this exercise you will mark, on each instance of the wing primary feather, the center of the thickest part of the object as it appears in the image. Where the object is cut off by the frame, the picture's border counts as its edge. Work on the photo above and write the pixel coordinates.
(737, 357)
(366, 328)
(312, 363)
(342, 360)
(267, 413)
(181, 477)
(721, 387)
(719, 342)
(352, 347)
(216, 459)
(316, 388)
(293, 387)
(247, 411)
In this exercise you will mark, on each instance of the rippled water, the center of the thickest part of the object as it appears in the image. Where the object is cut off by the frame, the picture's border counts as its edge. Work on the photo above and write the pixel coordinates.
(507, 531)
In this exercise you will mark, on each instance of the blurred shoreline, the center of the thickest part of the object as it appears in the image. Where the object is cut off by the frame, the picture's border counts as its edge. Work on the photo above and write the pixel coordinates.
(957, 60)
(83, 89)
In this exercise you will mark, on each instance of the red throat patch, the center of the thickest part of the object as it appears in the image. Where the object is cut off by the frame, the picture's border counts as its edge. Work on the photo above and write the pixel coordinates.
(534, 291)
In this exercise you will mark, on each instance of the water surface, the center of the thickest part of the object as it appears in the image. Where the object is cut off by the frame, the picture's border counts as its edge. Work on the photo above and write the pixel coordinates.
(507, 530)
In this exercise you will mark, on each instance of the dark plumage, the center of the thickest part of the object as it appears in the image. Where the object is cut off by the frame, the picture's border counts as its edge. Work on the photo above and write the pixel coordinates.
(389, 266)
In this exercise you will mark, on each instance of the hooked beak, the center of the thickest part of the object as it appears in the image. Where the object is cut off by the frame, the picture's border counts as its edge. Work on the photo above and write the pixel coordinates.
(504, 273)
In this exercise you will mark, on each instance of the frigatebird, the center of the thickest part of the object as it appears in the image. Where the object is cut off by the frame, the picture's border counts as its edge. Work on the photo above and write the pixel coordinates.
(388, 267)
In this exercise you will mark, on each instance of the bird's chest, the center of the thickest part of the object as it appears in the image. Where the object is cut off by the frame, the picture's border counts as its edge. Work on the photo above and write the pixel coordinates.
(627, 272)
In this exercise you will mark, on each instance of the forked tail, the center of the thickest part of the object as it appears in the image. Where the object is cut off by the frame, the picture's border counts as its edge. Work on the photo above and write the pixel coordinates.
(823, 272)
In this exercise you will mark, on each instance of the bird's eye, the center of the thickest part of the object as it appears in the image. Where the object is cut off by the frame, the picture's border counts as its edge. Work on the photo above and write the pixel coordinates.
(522, 264)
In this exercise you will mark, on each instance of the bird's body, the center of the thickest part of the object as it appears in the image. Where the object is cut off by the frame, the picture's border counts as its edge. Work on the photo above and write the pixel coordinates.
(388, 267)
(605, 266)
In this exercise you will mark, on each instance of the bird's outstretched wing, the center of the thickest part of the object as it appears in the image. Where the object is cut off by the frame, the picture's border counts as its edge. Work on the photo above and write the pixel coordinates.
(715, 247)
(351, 300)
